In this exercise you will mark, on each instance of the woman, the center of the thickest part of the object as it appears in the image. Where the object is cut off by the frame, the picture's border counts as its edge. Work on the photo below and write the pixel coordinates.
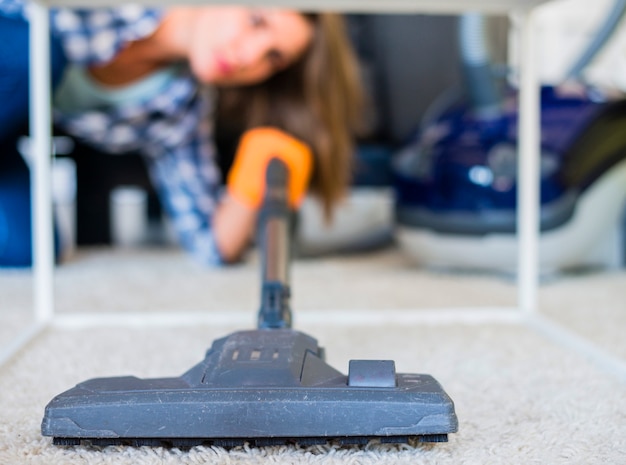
(150, 80)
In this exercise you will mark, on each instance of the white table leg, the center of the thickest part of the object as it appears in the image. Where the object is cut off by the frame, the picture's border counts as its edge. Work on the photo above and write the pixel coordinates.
(528, 169)
(40, 129)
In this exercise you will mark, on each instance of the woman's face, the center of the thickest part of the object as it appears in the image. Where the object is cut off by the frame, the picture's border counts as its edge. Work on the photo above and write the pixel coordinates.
(238, 46)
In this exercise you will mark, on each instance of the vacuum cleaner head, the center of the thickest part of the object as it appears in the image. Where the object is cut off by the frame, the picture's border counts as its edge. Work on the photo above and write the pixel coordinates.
(265, 387)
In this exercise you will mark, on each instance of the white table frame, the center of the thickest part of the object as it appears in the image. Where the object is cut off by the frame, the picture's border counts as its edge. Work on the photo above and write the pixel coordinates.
(526, 312)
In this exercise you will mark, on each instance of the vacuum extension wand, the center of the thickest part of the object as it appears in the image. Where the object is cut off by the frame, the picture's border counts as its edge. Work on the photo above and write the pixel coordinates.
(275, 247)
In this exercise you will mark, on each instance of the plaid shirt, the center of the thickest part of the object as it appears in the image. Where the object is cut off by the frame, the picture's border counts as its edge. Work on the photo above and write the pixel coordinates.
(172, 130)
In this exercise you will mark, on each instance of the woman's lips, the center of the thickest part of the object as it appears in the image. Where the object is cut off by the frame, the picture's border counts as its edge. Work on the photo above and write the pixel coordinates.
(223, 65)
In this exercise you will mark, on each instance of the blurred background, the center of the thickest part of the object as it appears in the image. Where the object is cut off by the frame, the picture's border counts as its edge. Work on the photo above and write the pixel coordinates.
(435, 170)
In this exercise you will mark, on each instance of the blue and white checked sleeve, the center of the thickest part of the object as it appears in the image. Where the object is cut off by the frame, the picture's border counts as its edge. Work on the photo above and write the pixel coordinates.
(187, 180)
(173, 131)
(92, 36)
(96, 35)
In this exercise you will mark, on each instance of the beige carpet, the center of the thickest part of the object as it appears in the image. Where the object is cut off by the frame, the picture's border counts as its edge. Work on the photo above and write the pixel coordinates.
(520, 397)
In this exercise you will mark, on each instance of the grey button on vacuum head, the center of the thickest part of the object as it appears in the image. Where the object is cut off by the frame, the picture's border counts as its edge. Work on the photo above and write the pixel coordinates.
(372, 373)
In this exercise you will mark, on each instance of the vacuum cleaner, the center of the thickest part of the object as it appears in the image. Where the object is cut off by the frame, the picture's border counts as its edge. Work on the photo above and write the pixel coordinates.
(265, 386)
(456, 196)
(456, 181)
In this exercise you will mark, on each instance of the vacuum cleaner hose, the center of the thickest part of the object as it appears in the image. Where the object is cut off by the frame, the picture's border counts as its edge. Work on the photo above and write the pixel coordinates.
(607, 28)
(476, 61)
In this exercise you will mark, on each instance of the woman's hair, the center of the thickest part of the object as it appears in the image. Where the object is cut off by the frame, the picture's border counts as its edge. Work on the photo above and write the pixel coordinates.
(319, 99)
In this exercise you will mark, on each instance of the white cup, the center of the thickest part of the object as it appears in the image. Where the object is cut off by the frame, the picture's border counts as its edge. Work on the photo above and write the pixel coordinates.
(64, 200)
(129, 216)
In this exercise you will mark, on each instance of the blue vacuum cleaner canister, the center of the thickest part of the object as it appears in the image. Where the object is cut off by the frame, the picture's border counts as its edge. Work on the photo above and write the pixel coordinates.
(456, 185)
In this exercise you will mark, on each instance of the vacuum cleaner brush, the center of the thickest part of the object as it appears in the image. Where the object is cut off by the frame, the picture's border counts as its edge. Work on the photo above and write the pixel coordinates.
(266, 386)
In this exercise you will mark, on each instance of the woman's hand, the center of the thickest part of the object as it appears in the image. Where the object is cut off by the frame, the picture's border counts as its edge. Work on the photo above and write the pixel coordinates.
(246, 179)
(235, 219)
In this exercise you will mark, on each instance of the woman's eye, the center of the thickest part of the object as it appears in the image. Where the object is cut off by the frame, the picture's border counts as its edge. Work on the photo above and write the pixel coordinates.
(257, 19)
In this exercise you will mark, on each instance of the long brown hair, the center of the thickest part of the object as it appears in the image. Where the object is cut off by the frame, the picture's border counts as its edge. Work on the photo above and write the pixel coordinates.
(319, 99)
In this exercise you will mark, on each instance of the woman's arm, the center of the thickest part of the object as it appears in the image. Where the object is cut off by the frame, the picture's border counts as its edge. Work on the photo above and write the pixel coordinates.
(214, 230)
(233, 226)
(218, 229)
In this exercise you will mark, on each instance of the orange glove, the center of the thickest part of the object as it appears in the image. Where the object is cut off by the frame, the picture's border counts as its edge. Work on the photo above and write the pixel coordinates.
(246, 179)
